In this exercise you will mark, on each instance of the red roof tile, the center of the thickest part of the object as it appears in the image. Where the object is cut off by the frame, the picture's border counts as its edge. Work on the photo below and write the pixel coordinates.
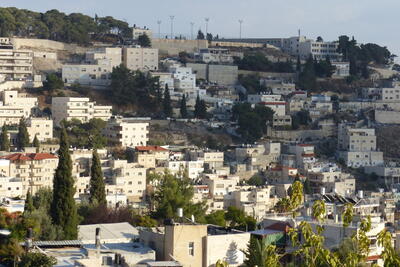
(29, 156)
(150, 148)
(279, 226)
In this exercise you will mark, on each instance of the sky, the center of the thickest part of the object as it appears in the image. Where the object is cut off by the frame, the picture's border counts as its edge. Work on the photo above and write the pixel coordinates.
(367, 20)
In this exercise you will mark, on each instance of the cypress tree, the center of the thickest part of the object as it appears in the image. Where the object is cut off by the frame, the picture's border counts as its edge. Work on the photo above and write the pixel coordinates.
(200, 109)
(97, 188)
(29, 202)
(183, 109)
(36, 142)
(63, 209)
(4, 139)
(167, 102)
(23, 135)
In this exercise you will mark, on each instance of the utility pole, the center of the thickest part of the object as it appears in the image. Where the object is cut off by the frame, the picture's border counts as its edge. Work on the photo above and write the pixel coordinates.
(240, 29)
(191, 30)
(172, 26)
(159, 29)
(207, 20)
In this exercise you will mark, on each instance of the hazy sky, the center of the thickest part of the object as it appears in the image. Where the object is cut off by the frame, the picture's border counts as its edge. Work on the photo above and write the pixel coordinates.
(368, 20)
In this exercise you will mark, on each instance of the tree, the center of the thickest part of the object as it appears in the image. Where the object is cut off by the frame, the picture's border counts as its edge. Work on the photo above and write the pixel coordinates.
(167, 108)
(23, 135)
(252, 121)
(53, 82)
(216, 218)
(238, 219)
(183, 108)
(389, 255)
(256, 180)
(209, 37)
(200, 35)
(36, 142)
(307, 78)
(144, 40)
(33, 259)
(200, 108)
(4, 139)
(97, 187)
(307, 186)
(63, 209)
(175, 192)
(29, 202)
(259, 253)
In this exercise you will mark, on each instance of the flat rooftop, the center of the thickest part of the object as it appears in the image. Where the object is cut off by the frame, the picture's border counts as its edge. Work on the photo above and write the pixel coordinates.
(109, 232)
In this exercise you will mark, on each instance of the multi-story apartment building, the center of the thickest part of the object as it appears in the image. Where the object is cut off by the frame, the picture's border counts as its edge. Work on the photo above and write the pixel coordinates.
(151, 156)
(301, 46)
(127, 131)
(137, 32)
(357, 146)
(127, 178)
(80, 108)
(97, 67)
(15, 106)
(215, 55)
(259, 98)
(15, 64)
(35, 170)
(140, 58)
(42, 128)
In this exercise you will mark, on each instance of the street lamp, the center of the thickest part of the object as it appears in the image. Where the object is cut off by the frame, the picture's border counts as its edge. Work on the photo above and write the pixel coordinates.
(240, 29)
(159, 29)
(172, 26)
(207, 20)
(191, 30)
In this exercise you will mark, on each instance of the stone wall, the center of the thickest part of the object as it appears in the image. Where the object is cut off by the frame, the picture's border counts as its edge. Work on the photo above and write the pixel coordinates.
(47, 45)
(173, 46)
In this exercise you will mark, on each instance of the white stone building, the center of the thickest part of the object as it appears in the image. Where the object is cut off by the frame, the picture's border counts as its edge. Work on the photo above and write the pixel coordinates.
(15, 64)
(357, 146)
(80, 108)
(127, 131)
(140, 58)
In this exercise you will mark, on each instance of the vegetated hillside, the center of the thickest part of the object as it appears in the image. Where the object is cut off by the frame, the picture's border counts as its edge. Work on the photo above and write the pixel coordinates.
(58, 26)
(388, 140)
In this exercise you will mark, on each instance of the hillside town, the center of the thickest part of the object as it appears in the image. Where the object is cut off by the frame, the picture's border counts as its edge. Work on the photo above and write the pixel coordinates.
(122, 146)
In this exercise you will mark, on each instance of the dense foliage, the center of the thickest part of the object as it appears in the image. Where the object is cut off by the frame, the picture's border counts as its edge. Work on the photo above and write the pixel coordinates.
(136, 89)
(4, 139)
(53, 82)
(361, 55)
(257, 61)
(86, 134)
(58, 26)
(252, 122)
(173, 192)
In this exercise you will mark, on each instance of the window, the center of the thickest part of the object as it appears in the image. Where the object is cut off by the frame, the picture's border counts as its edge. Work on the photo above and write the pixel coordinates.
(191, 248)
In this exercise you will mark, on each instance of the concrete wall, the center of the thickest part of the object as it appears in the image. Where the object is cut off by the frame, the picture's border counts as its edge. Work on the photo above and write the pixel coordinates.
(223, 74)
(173, 47)
(269, 74)
(226, 247)
(387, 116)
(300, 135)
(240, 44)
